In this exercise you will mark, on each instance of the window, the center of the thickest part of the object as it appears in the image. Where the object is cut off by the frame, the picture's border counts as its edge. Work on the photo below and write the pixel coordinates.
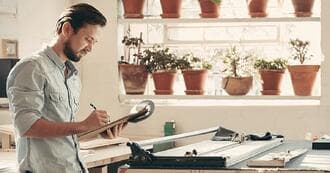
(268, 37)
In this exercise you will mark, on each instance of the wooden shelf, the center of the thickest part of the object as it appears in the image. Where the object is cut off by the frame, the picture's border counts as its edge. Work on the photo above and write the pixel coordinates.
(208, 100)
(156, 20)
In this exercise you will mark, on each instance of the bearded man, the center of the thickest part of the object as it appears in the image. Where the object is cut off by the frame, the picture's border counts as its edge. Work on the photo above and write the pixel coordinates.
(43, 92)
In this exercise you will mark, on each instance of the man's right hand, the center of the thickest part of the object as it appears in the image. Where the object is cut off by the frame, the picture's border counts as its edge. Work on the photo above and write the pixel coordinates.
(96, 119)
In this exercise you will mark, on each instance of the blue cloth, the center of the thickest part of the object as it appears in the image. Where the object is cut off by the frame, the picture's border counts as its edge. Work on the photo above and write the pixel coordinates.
(37, 88)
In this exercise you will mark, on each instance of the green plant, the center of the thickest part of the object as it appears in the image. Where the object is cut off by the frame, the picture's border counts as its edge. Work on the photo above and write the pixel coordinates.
(132, 44)
(189, 61)
(275, 64)
(159, 58)
(235, 63)
(299, 50)
(216, 1)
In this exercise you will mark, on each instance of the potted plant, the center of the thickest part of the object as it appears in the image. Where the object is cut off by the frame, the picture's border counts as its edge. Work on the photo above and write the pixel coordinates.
(131, 68)
(302, 76)
(133, 8)
(162, 64)
(271, 72)
(171, 8)
(194, 72)
(209, 8)
(303, 8)
(257, 8)
(237, 70)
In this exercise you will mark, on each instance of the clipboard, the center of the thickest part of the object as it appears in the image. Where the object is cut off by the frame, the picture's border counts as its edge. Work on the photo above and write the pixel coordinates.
(141, 111)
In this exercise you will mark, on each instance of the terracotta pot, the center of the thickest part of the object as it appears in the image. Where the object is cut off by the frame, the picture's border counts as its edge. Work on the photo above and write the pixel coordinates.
(209, 9)
(164, 82)
(134, 78)
(303, 78)
(194, 81)
(171, 8)
(133, 8)
(272, 80)
(237, 85)
(303, 8)
(270, 92)
(257, 8)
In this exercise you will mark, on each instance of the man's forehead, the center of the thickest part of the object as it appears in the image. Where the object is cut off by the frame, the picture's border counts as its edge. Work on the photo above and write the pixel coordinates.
(90, 30)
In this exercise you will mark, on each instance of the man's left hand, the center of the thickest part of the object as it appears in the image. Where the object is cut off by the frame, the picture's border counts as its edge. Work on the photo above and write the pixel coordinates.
(114, 132)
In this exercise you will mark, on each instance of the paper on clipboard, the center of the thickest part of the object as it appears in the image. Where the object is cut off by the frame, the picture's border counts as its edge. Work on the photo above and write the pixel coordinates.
(139, 112)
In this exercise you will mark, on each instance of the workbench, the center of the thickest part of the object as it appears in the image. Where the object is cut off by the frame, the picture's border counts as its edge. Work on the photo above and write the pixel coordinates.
(96, 160)
(314, 161)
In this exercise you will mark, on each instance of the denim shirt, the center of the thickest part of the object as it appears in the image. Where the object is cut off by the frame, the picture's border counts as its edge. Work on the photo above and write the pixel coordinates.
(37, 88)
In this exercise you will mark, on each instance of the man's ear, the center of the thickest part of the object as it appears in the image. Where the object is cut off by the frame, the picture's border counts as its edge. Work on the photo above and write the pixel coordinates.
(67, 29)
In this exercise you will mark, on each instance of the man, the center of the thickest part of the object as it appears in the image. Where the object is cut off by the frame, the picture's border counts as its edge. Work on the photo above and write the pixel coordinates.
(43, 92)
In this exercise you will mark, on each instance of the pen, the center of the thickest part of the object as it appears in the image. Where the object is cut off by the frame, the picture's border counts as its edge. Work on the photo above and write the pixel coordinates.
(92, 106)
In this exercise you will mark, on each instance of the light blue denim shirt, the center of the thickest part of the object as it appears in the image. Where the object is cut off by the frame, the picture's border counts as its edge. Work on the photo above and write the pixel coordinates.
(37, 88)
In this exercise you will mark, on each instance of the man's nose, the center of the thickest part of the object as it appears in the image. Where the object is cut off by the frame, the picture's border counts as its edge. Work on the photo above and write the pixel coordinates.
(89, 47)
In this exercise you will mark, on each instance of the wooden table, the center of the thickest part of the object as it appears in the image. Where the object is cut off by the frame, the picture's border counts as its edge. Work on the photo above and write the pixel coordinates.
(97, 160)
(6, 134)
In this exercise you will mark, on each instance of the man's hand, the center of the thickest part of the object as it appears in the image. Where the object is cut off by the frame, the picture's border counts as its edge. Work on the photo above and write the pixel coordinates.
(114, 132)
(96, 119)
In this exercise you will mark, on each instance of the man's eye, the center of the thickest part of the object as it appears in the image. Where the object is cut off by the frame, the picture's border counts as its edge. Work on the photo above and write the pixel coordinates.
(90, 40)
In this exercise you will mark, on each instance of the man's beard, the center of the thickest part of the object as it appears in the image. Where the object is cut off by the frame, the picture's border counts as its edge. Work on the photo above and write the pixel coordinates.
(69, 53)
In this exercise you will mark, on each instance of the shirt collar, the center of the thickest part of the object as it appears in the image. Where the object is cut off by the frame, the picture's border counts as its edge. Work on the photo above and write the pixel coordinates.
(54, 57)
(71, 68)
(59, 63)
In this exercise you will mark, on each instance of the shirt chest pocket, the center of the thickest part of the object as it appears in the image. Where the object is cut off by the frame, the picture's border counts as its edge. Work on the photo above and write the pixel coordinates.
(58, 97)
(57, 106)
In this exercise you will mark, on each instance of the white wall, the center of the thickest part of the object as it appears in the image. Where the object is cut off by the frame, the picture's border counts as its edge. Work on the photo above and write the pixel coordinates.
(100, 86)
(100, 76)
(33, 25)
(36, 23)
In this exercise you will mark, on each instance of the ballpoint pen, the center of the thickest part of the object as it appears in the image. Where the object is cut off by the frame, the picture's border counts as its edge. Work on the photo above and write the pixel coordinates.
(95, 109)
(92, 106)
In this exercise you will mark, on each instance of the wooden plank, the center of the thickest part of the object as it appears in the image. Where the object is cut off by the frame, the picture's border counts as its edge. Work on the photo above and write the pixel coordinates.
(102, 169)
(278, 159)
(8, 162)
(7, 129)
(101, 142)
(5, 141)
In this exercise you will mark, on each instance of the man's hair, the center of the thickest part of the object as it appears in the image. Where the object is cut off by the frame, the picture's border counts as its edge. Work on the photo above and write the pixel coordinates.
(79, 15)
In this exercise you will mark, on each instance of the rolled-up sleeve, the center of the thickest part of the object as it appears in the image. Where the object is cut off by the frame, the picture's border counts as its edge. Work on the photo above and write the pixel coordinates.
(26, 96)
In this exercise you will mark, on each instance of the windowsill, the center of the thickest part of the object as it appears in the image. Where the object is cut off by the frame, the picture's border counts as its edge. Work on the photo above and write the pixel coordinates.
(157, 19)
(202, 100)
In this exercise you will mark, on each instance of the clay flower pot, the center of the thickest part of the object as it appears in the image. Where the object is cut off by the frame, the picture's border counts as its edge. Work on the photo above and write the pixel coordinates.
(303, 8)
(133, 8)
(194, 81)
(171, 8)
(209, 9)
(237, 85)
(257, 8)
(164, 82)
(272, 80)
(134, 78)
(303, 78)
